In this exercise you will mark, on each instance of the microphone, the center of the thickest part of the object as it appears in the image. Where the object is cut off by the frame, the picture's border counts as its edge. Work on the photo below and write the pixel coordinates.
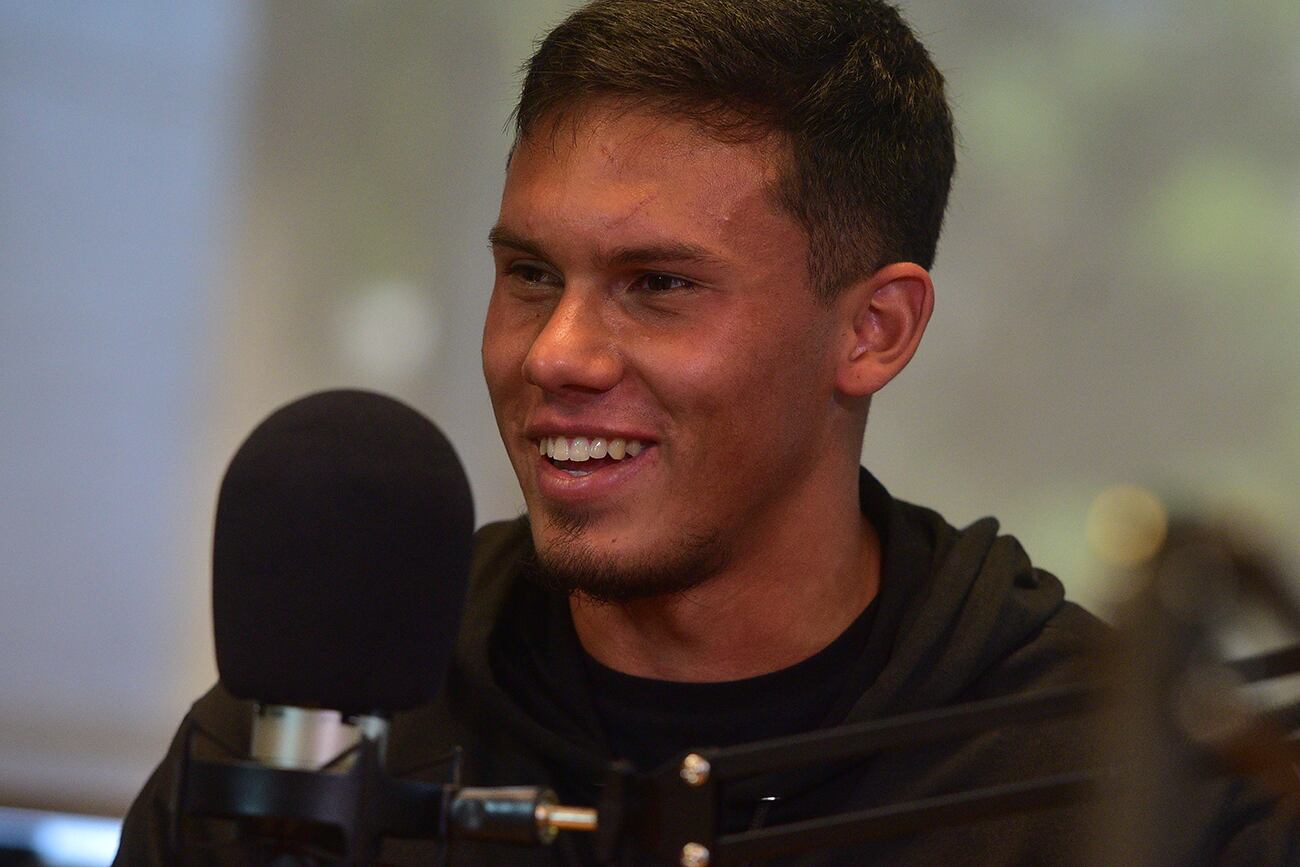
(340, 558)
(339, 562)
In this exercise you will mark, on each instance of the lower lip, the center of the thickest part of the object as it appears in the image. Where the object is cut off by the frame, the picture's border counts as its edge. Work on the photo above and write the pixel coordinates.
(603, 481)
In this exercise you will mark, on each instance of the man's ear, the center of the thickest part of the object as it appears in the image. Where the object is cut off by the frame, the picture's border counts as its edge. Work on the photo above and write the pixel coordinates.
(883, 318)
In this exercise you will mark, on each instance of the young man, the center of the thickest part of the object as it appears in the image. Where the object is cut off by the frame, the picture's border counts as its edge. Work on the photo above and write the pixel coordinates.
(711, 253)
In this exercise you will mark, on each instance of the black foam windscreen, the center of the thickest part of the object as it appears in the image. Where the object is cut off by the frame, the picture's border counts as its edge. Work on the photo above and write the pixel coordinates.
(340, 556)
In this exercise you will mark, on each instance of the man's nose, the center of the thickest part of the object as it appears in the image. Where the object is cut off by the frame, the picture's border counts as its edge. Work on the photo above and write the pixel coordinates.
(575, 352)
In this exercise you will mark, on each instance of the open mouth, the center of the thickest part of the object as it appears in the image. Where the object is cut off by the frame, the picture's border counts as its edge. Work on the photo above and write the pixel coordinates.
(582, 456)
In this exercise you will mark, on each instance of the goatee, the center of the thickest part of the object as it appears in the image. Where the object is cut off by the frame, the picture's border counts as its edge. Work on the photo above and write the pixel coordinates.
(570, 564)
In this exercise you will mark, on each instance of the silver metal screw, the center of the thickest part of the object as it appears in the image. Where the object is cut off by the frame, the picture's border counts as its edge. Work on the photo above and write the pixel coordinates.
(694, 855)
(695, 770)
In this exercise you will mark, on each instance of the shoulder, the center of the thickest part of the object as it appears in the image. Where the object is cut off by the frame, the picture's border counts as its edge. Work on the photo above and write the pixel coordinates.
(501, 551)
(500, 545)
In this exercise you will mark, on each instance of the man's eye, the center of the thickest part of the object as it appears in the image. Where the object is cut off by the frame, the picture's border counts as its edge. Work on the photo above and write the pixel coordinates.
(654, 283)
(530, 273)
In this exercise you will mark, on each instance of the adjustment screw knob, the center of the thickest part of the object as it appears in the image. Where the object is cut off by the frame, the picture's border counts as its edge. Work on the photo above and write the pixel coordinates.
(695, 771)
(694, 855)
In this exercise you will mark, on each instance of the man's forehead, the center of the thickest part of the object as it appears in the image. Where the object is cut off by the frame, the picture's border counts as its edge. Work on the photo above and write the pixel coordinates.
(622, 130)
(629, 185)
(628, 162)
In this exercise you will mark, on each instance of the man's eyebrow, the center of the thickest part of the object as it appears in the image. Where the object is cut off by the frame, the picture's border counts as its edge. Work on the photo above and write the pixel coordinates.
(619, 257)
(500, 236)
(671, 251)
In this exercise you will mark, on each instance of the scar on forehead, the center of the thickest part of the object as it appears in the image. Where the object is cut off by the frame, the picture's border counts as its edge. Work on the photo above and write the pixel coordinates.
(647, 197)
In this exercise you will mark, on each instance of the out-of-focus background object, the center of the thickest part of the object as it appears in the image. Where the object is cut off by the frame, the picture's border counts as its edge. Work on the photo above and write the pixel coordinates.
(1184, 704)
(209, 209)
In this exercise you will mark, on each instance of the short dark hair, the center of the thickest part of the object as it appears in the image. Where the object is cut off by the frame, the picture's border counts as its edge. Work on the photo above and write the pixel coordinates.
(846, 83)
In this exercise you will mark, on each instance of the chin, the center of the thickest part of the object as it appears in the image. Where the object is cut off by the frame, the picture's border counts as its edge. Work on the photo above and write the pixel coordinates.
(568, 561)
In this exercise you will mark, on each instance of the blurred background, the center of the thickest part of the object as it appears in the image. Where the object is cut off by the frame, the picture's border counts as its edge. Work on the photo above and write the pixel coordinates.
(209, 209)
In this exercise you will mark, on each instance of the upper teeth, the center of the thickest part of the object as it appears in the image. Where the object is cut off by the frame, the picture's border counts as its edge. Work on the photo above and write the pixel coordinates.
(582, 448)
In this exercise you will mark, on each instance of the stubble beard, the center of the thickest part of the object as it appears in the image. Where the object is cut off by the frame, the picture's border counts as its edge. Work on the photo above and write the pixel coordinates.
(570, 564)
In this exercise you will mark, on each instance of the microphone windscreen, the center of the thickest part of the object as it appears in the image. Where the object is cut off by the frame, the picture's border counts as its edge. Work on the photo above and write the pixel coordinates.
(340, 556)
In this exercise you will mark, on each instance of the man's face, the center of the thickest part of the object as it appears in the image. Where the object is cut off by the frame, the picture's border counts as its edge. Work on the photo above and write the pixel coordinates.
(648, 290)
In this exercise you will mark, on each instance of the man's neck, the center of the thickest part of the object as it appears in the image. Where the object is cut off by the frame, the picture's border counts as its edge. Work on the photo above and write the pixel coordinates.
(775, 605)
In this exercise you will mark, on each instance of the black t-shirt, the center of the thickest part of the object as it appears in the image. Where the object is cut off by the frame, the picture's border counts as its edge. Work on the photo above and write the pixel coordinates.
(649, 721)
(539, 661)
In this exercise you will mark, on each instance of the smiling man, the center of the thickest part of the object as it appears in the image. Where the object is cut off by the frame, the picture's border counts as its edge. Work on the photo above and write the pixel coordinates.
(711, 252)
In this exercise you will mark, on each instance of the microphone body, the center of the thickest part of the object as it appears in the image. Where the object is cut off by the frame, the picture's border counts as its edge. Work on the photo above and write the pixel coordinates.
(340, 559)
(309, 739)
(340, 556)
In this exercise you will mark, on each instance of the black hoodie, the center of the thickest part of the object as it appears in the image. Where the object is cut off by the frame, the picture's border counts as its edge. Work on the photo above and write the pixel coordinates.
(962, 615)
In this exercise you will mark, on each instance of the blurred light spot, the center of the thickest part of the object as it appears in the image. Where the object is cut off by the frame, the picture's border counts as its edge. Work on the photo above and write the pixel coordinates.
(1126, 525)
(389, 330)
(1219, 216)
(61, 840)
(1102, 57)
